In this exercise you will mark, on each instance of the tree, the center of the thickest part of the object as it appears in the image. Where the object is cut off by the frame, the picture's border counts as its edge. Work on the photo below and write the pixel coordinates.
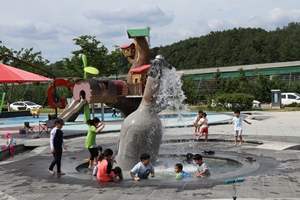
(260, 88)
(57, 69)
(237, 46)
(118, 63)
(189, 89)
(34, 58)
(96, 57)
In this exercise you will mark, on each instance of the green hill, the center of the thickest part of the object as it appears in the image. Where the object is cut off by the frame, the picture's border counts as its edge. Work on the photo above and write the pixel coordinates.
(240, 46)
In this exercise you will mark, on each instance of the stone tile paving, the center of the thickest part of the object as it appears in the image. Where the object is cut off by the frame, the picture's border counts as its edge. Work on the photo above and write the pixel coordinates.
(28, 178)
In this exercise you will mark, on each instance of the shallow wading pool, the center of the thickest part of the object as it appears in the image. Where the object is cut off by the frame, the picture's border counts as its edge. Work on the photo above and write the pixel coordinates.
(164, 168)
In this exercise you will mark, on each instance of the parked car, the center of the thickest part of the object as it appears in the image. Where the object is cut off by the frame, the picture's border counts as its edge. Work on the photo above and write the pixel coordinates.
(24, 105)
(290, 97)
(255, 104)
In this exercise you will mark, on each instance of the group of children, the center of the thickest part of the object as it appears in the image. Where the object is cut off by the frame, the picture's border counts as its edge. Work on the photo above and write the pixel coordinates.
(201, 126)
(202, 169)
(104, 167)
(143, 169)
(105, 173)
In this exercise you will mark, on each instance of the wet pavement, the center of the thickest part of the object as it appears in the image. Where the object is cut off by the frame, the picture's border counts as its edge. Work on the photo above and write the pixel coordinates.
(273, 139)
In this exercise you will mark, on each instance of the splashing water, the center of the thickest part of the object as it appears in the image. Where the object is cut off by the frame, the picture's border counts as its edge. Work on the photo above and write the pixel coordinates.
(170, 96)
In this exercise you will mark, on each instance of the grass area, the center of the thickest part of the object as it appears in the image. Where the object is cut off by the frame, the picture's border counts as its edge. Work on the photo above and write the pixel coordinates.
(50, 111)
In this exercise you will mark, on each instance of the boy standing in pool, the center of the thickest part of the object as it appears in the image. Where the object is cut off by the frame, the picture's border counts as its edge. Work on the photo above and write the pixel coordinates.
(202, 169)
(237, 120)
(143, 169)
(57, 144)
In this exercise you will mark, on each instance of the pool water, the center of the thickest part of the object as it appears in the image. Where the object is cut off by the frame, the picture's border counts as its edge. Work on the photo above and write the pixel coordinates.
(165, 118)
(165, 166)
(164, 169)
(19, 121)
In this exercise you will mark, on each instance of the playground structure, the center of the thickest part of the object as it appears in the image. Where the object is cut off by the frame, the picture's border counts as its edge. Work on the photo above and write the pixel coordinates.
(123, 95)
(35, 112)
(2, 96)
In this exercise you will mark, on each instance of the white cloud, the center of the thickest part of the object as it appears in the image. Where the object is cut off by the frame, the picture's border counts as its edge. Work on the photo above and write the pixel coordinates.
(143, 15)
(50, 27)
(216, 24)
(28, 30)
(268, 20)
(274, 18)
(185, 33)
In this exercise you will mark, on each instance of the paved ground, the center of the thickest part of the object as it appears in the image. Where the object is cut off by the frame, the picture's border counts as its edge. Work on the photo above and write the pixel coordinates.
(277, 175)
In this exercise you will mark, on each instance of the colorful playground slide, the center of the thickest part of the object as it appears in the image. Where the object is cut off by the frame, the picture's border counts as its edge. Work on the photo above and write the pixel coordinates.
(74, 108)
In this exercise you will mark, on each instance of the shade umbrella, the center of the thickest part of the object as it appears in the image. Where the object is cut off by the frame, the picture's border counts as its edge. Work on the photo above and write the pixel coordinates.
(9, 74)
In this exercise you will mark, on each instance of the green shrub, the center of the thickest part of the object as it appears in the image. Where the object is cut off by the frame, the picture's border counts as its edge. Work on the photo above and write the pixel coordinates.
(294, 104)
(235, 101)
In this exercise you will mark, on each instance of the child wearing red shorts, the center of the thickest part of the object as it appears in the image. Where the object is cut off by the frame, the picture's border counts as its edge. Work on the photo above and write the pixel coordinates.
(204, 127)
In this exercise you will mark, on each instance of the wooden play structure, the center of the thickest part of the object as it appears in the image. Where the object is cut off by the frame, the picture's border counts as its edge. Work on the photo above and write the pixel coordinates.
(123, 95)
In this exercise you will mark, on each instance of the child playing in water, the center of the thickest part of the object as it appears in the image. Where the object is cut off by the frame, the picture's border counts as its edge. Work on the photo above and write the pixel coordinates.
(95, 171)
(238, 126)
(180, 173)
(94, 127)
(99, 152)
(202, 169)
(105, 172)
(143, 169)
(10, 144)
(204, 127)
(189, 158)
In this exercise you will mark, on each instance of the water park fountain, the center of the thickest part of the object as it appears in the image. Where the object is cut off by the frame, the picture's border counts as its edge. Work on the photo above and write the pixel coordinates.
(141, 131)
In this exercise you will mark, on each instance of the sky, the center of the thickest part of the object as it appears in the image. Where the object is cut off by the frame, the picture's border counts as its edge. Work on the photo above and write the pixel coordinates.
(50, 26)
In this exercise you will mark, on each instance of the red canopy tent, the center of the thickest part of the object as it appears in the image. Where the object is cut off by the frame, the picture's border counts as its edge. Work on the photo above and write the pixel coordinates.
(9, 74)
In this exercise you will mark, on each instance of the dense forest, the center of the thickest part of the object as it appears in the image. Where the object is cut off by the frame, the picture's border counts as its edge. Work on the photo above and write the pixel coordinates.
(238, 46)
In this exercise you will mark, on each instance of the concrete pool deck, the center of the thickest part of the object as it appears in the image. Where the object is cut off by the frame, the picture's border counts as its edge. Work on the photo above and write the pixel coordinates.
(26, 177)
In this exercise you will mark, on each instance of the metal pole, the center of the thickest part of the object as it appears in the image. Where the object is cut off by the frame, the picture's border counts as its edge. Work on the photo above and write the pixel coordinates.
(102, 112)
(93, 110)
